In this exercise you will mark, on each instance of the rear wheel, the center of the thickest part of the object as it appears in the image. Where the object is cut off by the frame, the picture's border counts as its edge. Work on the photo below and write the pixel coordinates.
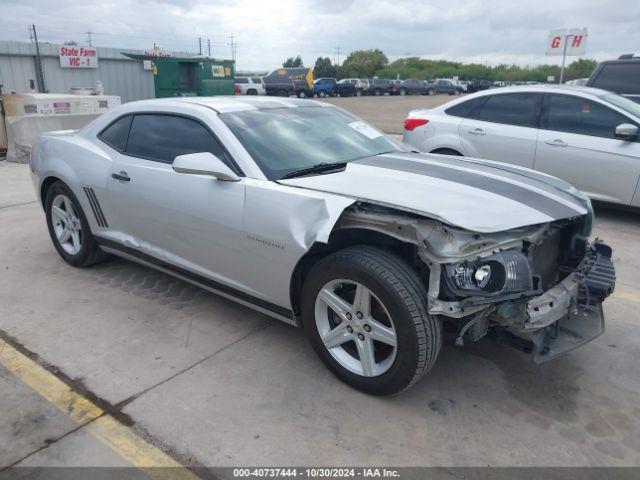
(431, 92)
(358, 93)
(302, 94)
(403, 92)
(69, 229)
(377, 92)
(322, 94)
(365, 313)
(252, 91)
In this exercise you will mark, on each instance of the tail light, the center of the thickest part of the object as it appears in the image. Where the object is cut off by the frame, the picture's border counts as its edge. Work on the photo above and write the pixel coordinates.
(411, 123)
(236, 89)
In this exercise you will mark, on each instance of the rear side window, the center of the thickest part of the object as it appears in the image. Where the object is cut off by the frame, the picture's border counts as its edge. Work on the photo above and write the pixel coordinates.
(578, 115)
(115, 135)
(242, 80)
(520, 109)
(619, 78)
(256, 79)
(464, 109)
(164, 137)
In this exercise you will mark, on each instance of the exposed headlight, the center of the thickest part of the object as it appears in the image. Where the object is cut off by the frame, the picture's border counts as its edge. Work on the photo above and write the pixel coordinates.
(503, 272)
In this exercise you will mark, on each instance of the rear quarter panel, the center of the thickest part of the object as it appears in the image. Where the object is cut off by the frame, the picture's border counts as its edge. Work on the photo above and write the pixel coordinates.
(76, 161)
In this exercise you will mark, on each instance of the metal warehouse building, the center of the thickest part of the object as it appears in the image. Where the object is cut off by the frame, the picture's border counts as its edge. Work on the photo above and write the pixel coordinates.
(119, 74)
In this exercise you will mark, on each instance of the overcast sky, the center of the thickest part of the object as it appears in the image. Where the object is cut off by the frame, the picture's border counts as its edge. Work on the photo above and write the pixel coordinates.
(268, 31)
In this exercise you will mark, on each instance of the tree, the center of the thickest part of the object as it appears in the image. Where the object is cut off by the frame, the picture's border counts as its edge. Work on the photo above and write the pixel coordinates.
(324, 68)
(363, 63)
(293, 62)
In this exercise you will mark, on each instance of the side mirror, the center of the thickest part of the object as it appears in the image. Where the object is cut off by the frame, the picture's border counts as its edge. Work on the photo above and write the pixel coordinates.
(626, 131)
(204, 163)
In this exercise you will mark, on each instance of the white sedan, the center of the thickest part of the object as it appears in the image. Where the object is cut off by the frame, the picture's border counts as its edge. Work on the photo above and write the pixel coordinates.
(586, 136)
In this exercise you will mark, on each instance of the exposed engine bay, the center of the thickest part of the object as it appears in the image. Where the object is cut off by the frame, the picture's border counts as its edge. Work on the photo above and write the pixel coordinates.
(538, 288)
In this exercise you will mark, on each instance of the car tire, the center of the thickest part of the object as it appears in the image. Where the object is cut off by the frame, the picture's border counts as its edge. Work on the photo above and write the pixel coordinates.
(69, 229)
(322, 94)
(397, 298)
(358, 93)
(252, 92)
(403, 92)
(377, 92)
(282, 93)
(302, 94)
(431, 92)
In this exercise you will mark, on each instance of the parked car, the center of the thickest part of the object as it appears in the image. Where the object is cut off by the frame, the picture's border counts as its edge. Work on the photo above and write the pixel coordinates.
(413, 86)
(478, 85)
(395, 87)
(586, 136)
(359, 85)
(620, 76)
(444, 85)
(431, 87)
(249, 86)
(346, 88)
(325, 87)
(283, 82)
(380, 86)
(376, 248)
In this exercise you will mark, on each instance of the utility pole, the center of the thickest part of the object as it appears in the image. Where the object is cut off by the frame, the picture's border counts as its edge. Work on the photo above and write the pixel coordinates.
(89, 33)
(200, 46)
(338, 54)
(233, 46)
(38, 60)
(209, 47)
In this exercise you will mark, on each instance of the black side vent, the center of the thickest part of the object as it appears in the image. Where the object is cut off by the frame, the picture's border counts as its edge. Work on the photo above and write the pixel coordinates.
(95, 207)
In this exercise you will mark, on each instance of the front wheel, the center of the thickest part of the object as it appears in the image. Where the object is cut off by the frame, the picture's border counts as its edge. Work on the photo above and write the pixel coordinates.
(365, 313)
(431, 92)
(302, 94)
(403, 92)
(69, 229)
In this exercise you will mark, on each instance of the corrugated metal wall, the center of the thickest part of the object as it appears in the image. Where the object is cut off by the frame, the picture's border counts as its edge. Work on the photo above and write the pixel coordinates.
(120, 75)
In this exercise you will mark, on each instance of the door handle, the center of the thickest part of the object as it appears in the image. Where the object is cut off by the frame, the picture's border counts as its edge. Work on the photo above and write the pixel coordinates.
(122, 176)
(557, 143)
(477, 131)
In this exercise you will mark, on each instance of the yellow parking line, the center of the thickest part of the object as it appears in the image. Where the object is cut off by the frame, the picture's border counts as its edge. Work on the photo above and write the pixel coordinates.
(120, 438)
(631, 297)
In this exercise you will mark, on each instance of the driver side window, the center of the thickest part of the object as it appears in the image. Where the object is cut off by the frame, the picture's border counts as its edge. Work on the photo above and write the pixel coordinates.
(582, 116)
(162, 138)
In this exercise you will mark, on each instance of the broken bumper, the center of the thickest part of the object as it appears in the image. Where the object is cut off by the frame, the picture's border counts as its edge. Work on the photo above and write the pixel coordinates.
(570, 314)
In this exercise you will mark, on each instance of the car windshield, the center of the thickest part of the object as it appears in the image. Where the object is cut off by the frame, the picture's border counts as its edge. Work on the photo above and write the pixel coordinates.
(622, 102)
(284, 140)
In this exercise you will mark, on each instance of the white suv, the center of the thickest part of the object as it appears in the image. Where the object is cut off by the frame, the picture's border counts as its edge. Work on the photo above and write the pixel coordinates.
(249, 86)
(586, 136)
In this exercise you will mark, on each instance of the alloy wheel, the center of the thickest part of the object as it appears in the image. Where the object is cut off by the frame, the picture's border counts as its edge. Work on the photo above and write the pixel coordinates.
(66, 224)
(356, 327)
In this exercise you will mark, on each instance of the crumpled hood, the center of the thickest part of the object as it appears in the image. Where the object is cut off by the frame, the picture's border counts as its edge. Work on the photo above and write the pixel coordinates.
(476, 195)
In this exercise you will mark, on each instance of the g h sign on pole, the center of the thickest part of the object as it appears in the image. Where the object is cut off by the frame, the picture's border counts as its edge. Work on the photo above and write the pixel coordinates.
(567, 41)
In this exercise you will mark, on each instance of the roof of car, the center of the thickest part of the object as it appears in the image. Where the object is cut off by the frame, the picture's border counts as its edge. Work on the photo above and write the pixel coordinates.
(545, 88)
(231, 103)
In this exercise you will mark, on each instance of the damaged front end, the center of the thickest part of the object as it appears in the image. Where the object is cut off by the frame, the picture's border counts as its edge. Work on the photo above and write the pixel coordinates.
(539, 288)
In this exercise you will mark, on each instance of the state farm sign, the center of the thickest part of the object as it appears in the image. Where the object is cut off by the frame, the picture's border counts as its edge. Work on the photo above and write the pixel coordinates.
(575, 39)
(78, 57)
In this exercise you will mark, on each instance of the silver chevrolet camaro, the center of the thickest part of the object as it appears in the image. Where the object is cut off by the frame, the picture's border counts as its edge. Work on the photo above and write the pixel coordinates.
(304, 212)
